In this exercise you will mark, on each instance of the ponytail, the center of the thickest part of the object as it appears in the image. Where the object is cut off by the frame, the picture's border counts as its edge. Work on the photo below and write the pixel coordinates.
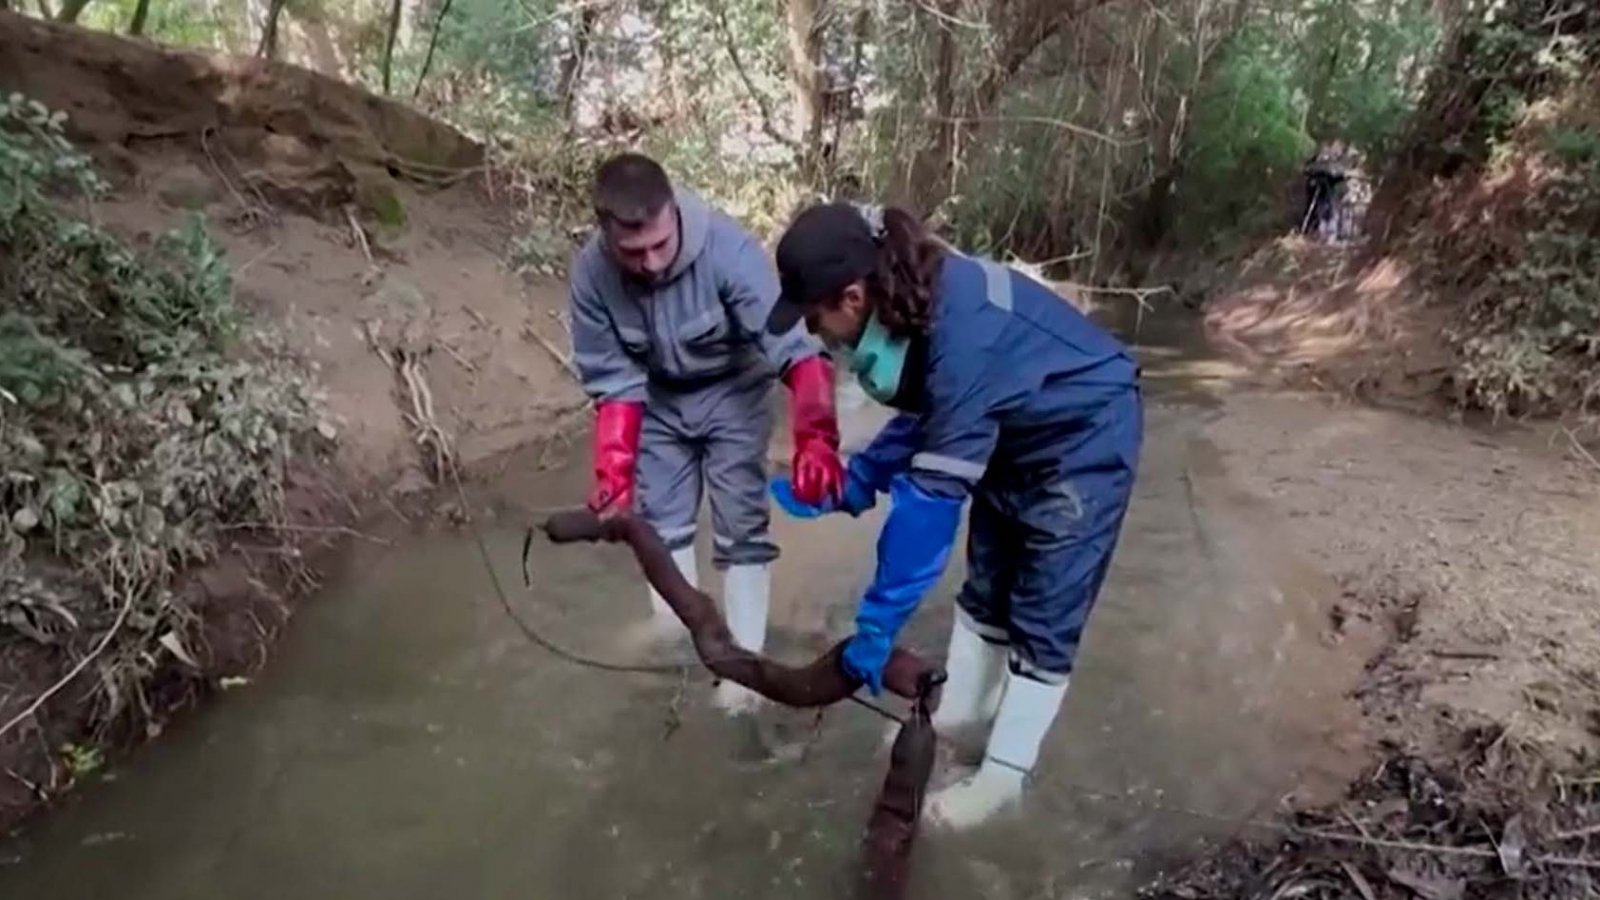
(904, 282)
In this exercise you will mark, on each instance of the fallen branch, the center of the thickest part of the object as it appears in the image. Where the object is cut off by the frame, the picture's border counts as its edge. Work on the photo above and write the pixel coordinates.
(1581, 450)
(1141, 293)
(1437, 849)
(42, 699)
(359, 233)
(1464, 654)
(1062, 124)
(555, 353)
(892, 828)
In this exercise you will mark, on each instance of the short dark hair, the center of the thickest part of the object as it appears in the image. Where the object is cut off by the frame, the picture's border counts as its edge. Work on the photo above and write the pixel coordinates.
(630, 189)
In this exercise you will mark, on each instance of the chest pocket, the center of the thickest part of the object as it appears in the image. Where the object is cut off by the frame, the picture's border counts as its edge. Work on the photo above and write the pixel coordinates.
(713, 331)
(707, 345)
(635, 340)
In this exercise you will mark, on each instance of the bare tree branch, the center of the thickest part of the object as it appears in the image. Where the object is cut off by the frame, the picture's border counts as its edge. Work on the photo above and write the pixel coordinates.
(269, 31)
(1024, 27)
(433, 43)
(768, 124)
(577, 59)
(804, 20)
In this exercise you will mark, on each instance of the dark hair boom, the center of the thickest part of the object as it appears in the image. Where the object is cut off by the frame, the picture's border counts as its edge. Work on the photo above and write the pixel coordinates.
(904, 282)
(630, 189)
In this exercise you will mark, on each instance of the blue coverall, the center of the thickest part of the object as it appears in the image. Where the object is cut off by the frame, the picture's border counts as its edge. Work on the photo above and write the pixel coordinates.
(1035, 412)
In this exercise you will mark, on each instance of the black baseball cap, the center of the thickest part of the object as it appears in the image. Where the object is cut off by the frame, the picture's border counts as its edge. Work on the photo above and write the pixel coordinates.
(825, 248)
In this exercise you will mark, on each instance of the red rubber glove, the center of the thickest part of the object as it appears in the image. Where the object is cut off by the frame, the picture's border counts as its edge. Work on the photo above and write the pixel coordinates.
(818, 474)
(616, 449)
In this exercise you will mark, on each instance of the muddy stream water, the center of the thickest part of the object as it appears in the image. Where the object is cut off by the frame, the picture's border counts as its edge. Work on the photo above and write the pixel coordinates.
(407, 741)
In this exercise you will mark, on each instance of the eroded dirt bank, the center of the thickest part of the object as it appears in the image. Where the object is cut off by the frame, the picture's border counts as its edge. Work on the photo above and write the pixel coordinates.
(375, 244)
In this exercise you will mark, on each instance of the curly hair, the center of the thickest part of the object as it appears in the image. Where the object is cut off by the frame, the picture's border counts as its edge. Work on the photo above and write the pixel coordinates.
(905, 280)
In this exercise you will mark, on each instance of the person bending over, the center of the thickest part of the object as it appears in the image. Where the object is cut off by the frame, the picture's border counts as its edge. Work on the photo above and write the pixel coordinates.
(1007, 396)
(669, 306)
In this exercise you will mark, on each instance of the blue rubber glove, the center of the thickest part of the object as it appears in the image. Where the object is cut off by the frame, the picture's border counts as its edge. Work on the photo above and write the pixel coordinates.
(913, 549)
(856, 497)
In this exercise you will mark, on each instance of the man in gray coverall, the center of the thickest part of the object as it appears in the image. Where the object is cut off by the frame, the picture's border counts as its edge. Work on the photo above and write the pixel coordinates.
(669, 305)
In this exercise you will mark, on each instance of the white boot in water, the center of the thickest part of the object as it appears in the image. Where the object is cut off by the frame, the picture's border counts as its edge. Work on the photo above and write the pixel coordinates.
(1027, 710)
(967, 705)
(663, 627)
(746, 591)
(663, 621)
(976, 669)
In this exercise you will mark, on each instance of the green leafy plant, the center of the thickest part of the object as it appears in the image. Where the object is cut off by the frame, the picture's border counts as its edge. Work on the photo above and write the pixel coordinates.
(140, 418)
(1532, 338)
(1248, 138)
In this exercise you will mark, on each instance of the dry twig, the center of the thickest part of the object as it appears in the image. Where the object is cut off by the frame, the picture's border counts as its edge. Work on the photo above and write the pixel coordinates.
(1582, 451)
(63, 681)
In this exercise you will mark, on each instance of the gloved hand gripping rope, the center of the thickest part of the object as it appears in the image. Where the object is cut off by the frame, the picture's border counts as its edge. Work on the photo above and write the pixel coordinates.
(891, 830)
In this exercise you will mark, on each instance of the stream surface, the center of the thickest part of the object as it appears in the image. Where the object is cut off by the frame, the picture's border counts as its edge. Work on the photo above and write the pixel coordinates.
(408, 741)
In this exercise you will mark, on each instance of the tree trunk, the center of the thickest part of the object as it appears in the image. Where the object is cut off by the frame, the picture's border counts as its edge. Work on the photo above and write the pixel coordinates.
(731, 42)
(1025, 28)
(932, 162)
(388, 46)
(323, 53)
(577, 57)
(670, 54)
(268, 48)
(141, 15)
(433, 44)
(71, 10)
(406, 30)
(804, 33)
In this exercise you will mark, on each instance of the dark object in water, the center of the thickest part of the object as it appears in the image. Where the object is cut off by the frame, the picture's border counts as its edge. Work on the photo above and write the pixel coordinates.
(892, 829)
(886, 852)
(821, 683)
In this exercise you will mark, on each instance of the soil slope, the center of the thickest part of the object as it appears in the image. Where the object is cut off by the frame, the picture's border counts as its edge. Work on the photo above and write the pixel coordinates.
(370, 236)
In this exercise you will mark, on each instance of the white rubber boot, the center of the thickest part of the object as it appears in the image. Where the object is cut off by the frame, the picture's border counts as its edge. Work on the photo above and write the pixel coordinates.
(664, 623)
(967, 706)
(663, 628)
(976, 669)
(1027, 710)
(746, 594)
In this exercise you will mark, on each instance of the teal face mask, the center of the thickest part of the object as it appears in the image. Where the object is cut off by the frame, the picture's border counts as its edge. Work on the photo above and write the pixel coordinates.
(879, 361)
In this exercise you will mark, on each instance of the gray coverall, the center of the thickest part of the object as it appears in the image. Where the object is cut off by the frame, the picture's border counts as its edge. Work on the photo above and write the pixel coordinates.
(695, 350)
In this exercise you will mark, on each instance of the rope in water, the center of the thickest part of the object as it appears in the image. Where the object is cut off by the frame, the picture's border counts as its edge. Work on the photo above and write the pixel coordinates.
(581, 659)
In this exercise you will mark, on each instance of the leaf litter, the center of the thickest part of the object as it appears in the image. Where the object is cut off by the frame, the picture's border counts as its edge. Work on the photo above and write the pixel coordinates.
(1491, 819)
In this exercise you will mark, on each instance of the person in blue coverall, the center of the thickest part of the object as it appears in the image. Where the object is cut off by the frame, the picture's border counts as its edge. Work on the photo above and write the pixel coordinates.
(1007, 395)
